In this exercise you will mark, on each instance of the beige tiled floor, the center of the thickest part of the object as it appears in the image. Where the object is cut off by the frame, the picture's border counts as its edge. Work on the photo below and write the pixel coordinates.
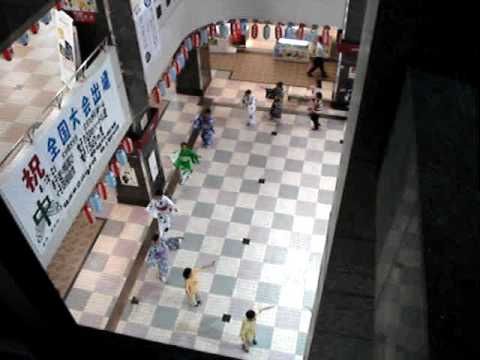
(28, 84)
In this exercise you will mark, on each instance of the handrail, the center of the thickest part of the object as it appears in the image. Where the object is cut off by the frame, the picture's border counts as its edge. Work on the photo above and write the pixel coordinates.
(56, 101)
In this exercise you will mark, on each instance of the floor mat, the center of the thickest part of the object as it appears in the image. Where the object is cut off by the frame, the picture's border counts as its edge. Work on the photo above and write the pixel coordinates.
(68, 260)
(265, 69)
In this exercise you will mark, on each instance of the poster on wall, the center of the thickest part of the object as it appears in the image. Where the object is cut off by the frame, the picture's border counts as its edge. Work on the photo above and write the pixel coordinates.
(48, 182)
(148, 33)
(83, 11)
(128, 176)
(153, 165)
(67, 45)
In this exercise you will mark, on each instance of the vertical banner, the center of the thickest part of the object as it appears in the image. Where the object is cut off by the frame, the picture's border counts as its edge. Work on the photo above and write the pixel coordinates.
(83, 11)
(148, 33)
(67, 46)
(48, 182)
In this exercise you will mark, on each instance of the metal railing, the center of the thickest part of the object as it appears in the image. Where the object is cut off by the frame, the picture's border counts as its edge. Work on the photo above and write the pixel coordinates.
(79, 74)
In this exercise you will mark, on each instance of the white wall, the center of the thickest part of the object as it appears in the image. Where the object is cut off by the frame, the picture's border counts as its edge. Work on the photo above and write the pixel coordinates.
(184, 16)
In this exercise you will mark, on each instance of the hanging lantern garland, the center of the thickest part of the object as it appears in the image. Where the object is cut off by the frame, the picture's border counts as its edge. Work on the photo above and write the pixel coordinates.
(166, 79)
(8, 54)
(87, 211)
(185, 52)
(255, 30)
(313, 34)
(289, 33)
(24, 39)
(278, 31)
(301, 31)
(326, 36)
(266, 31)
(162, 87)
(223, 30)
(111, 180)
(102, 191)
(95, 202)
(127, 144)
(47, 18)
(203, 37)
(34, 28)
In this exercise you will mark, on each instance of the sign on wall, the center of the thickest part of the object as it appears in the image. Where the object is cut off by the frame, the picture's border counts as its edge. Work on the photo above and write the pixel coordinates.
(67, 45)
(148, 33)
(83, 11)
(48, 182)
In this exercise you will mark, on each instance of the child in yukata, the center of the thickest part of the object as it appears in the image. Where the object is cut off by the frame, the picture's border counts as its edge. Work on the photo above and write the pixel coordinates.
(204, 122)
(248, 331)
(161, 209)
(184, 160)
(159, 252)
(191, 283)
(250, 102)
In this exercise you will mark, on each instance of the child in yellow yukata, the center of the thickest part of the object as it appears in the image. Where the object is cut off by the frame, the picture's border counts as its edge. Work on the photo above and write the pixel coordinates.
(248, 330)
(191, 283)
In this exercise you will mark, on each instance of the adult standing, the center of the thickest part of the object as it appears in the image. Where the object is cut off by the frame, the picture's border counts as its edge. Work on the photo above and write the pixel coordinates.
(319, 59)
(204, 122)
(277, 94)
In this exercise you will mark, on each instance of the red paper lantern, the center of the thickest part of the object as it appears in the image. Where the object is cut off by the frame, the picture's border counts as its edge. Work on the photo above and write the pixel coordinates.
(156, 95)
(87, 211)
(127, 144)
(115, 168)
(102, 190)
(278, 31)
(196, 39)
(254, 31)
(34, 28)
(301, 31)
(326, 36)
(177, 66)
(7, 54)
(166, 78)
(212, 30)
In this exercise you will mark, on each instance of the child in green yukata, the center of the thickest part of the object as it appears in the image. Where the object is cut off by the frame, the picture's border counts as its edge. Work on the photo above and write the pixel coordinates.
(184, 160)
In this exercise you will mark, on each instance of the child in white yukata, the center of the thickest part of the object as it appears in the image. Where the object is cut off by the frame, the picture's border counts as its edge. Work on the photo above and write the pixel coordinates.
(161, 209)
(250, 102)
(159, 252)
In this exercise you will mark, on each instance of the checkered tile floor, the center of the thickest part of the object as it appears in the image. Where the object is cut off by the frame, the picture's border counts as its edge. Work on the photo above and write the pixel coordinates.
(28, 84)
(105, 271)
(222, 204)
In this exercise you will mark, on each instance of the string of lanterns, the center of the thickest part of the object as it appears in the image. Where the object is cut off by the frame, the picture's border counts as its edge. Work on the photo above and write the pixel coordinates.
(94, 204)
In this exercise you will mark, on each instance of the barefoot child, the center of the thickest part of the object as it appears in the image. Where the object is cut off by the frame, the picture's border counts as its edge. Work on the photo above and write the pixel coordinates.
(249, 328)
(191, 283)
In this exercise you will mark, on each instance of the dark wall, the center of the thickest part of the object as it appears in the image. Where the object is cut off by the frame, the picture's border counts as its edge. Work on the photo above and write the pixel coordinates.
(428, 178)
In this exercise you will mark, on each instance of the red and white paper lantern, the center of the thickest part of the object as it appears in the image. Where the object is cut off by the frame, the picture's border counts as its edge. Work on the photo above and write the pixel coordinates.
(87, 211)
(156, 95)
(301, 31)
(8, 54)
(196, 40)
(166, 78)
(102, 190)
(115, 168)
(254, 30)
(212, 30)
(127, 145)
(278, 31)
(185, 52)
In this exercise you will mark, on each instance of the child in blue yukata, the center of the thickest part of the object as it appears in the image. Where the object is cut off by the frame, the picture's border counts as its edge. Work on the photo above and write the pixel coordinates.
(159, 252)
(204, 122)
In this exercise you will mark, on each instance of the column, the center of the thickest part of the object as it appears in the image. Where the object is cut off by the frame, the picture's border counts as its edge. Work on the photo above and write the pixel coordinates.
(144, 177)
(196, 76)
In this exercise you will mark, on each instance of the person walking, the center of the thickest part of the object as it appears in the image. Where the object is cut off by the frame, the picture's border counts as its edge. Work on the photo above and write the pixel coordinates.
(316, 107)
(277, 94)
(204, 122)
(184, 160)
(161, 209)
(191, 283)
(159, 252)
(250, 102)
(319, 59)
(248, 331)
